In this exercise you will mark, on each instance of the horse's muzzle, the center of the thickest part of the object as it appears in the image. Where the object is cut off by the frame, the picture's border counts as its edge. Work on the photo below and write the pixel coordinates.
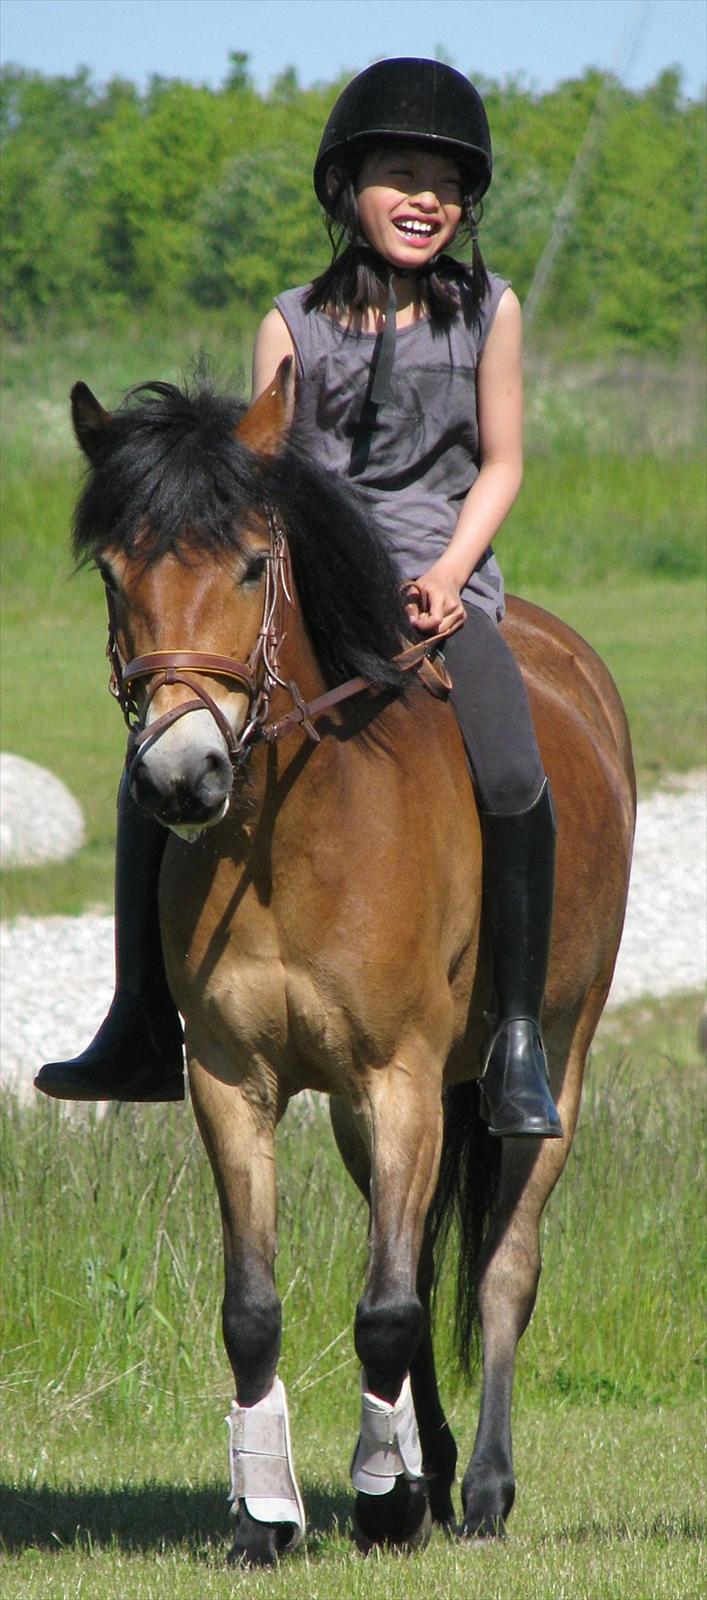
(187, 789)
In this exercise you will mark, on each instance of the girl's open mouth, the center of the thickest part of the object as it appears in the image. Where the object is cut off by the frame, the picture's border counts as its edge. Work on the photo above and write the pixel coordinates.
(411, 228)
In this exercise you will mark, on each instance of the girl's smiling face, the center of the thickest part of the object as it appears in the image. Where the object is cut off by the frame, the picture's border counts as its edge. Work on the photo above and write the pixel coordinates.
(409, 203)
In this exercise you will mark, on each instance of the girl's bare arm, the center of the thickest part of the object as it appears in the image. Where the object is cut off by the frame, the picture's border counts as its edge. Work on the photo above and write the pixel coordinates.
(272, 343)
(499, 398)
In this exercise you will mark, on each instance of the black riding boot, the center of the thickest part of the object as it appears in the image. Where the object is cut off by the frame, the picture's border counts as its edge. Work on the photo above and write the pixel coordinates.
(137, 1053)
(519, 876)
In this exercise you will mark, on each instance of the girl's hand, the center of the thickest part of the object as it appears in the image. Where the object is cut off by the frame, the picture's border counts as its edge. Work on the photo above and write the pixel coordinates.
(433, 604)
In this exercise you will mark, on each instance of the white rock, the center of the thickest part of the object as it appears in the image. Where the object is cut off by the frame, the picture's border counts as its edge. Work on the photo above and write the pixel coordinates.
(40, 820)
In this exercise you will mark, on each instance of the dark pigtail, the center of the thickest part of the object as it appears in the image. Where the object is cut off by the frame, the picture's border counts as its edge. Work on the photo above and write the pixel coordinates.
(480, 283)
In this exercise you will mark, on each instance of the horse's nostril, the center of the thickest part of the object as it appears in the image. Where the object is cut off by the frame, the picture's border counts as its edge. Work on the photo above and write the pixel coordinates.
(144, 790)
(217, 770)
(213, 783)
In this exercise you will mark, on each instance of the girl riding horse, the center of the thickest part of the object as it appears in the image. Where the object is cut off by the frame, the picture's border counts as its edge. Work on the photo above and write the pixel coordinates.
(409, 386)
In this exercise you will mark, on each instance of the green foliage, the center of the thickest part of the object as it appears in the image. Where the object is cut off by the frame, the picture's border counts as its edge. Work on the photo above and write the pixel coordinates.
(284, 238)
(182, 196)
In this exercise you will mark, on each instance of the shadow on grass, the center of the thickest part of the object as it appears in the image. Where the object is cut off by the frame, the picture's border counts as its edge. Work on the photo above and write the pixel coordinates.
(145, 1517)
(666, 1528)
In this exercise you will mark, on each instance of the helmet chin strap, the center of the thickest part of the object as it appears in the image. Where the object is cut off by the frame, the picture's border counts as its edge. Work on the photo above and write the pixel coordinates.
(383, 375)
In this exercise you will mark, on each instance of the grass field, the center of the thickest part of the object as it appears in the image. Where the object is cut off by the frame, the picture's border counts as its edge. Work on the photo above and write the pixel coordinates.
(591, 1523)
(114, 1379)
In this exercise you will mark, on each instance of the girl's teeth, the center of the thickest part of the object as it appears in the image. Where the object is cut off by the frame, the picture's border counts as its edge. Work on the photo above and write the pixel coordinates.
(424, 228)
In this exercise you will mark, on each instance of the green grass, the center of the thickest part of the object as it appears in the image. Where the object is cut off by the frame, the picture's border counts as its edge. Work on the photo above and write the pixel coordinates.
(590, 1522)
(115, 1381)
(652, 637)
(594, 520)
(628, 406)
(657, 1034)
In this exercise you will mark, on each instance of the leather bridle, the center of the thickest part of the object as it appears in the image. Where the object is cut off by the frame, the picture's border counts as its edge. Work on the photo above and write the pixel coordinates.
(259, 675)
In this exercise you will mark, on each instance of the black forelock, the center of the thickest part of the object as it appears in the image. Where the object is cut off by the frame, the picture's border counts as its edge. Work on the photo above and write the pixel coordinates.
(172, 476)
(169, 467)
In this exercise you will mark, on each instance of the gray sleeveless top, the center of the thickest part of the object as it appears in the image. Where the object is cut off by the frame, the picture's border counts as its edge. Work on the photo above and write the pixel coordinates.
(413, 459)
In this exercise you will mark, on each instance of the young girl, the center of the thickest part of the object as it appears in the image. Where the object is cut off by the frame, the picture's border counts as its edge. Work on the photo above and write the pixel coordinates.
(409, 384)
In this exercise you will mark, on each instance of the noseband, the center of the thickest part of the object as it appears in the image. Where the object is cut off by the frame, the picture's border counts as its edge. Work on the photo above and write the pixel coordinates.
(259, 675)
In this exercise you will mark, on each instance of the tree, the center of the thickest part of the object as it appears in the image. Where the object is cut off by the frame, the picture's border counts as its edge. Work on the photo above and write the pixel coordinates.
(180, 195)
(238, 76)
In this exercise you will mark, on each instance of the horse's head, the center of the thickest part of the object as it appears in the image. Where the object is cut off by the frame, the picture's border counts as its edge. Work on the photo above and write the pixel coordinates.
(175, 518)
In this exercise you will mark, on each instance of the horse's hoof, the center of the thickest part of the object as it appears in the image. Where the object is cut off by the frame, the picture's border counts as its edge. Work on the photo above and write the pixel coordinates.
(400, 1520)
(258, 1544)
(481, 1530)
(486, 1506)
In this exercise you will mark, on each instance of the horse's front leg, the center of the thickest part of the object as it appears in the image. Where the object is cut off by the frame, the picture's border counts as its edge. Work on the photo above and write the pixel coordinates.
(439, 1451)
(402, 1127)
(238, 1128)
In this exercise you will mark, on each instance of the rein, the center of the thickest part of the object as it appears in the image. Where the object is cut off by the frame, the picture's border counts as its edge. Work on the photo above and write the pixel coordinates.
(259, 674)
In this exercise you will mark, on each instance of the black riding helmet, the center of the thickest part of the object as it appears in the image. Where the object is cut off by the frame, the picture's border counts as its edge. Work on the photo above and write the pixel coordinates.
(409, 98)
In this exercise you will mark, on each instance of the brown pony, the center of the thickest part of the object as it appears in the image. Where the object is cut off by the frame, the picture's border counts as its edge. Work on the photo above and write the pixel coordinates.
(321, 917)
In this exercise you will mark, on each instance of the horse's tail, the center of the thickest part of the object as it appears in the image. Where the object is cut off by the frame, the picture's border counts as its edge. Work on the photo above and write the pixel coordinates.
(468, 1180)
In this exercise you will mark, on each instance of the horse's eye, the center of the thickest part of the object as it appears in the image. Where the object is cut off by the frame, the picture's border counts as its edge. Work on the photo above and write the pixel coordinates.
(255, 568)
(106, 573)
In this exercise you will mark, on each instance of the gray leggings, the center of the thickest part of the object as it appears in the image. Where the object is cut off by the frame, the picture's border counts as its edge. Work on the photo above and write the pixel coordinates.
(493, 712)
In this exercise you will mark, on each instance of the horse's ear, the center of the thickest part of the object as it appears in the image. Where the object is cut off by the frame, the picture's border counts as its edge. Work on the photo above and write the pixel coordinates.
(91, 422)
(266, 424)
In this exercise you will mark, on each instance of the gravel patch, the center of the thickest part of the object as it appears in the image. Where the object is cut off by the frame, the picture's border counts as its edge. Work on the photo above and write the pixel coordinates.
(664, 945)
(57, 972)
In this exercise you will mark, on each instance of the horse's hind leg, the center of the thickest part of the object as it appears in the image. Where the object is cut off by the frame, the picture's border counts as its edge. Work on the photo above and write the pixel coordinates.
(508, 1274)
(439, 1451)
(509, 1269)
(401, 1125)
(238, 1133)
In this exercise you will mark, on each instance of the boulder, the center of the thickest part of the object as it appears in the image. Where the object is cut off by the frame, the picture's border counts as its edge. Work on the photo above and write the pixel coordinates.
(40, 821)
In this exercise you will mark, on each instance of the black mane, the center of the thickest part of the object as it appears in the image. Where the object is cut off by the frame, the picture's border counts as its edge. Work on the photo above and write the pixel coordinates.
(170, 472)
